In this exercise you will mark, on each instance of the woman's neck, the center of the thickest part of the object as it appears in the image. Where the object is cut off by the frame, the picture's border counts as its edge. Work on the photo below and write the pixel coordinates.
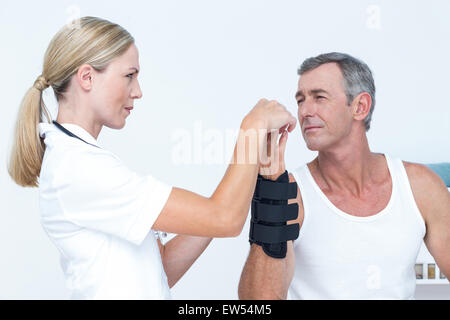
(77, 115)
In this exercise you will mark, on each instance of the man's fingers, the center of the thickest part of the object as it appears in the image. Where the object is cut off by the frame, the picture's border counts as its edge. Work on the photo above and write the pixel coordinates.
(292, 123)
(282, 145)
(283, 128)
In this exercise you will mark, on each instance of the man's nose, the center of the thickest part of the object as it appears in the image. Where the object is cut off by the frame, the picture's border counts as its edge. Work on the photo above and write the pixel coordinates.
(307, 108)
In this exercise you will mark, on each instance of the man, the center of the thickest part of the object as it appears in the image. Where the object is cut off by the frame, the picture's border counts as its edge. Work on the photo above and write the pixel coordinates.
(362, 215)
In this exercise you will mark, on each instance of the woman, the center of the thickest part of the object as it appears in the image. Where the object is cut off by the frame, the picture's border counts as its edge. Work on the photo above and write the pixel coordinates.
(97, 212)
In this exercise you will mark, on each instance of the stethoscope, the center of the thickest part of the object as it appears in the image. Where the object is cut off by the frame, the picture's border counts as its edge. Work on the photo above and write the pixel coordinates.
(158, 234)
(70, 134)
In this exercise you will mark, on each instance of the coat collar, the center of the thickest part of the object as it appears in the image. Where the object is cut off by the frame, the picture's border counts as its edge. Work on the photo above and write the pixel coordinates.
(74, 128)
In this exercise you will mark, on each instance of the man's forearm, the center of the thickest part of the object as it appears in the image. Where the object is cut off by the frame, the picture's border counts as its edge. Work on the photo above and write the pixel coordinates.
(264, 277)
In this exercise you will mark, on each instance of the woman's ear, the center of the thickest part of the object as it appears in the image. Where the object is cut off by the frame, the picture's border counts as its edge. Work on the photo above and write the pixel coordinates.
(361, 105)
(85, 77)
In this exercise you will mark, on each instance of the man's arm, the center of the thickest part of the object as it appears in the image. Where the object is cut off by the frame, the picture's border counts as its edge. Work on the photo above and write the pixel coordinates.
(433, 201)
(179, 254)
(265, 277)
(268, 278)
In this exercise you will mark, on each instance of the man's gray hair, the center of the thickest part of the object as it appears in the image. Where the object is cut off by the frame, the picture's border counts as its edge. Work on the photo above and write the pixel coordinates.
(357, 76)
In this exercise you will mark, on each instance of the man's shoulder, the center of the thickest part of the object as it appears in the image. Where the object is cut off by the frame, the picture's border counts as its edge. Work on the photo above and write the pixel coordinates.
(428, 188)
(422, 176)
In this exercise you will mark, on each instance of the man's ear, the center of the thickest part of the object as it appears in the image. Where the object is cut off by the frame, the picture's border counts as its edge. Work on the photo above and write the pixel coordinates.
(85, 76)
(361, 105)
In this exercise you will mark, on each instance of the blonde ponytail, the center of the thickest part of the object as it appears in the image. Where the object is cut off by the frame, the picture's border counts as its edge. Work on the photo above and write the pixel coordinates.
(92, 41)
(28, 148)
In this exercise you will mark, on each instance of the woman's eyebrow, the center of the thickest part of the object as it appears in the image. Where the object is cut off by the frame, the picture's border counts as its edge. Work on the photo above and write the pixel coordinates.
(134, 68)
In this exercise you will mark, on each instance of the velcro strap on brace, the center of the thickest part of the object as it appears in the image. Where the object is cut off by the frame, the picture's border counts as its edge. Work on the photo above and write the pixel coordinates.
(274, 212)
(272, 190)
(273, 234)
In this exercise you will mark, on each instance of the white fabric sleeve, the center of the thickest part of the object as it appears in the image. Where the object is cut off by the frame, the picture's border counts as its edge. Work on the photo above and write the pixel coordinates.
(98, 192)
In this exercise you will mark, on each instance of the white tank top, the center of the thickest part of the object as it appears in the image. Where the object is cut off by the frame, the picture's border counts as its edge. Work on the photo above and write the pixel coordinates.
(341, 256)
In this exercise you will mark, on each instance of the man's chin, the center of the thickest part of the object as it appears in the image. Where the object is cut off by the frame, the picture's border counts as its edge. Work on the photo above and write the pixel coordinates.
(315, 145)
(312, 146)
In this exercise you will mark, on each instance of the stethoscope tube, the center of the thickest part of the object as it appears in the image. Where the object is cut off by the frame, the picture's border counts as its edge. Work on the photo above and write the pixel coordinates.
(70, 134)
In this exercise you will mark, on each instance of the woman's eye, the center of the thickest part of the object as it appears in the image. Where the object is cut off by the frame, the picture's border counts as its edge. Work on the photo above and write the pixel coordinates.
(299, 101)
(130, 75)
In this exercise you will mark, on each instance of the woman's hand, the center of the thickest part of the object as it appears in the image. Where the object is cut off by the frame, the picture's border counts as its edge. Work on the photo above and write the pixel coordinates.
(273, 117)
(270, 115)
(225, 212)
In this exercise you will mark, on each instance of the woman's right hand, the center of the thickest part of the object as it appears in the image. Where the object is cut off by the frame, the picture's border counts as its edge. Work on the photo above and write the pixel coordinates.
(270, 115)
(225, 212)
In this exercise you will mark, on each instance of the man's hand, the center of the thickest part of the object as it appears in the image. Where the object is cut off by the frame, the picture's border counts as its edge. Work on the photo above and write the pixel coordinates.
(272, 163)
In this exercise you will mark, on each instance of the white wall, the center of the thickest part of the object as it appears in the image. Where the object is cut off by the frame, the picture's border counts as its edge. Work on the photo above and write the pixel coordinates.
(205, 64)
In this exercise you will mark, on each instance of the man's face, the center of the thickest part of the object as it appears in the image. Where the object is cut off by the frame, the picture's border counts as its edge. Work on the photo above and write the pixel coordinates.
(324, 115)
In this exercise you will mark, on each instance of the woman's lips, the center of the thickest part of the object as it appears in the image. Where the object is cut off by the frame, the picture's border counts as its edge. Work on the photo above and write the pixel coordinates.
(129, 109)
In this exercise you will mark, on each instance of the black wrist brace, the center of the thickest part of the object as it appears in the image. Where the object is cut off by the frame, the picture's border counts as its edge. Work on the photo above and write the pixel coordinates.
(270, 212)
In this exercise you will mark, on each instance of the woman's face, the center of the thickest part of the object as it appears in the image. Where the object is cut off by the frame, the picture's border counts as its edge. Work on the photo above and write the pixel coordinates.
(115, 90)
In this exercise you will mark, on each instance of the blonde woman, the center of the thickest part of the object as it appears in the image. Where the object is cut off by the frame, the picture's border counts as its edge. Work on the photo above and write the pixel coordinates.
(97, 212)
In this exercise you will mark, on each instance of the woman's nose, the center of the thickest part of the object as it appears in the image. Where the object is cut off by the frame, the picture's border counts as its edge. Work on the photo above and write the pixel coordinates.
(137, 93)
